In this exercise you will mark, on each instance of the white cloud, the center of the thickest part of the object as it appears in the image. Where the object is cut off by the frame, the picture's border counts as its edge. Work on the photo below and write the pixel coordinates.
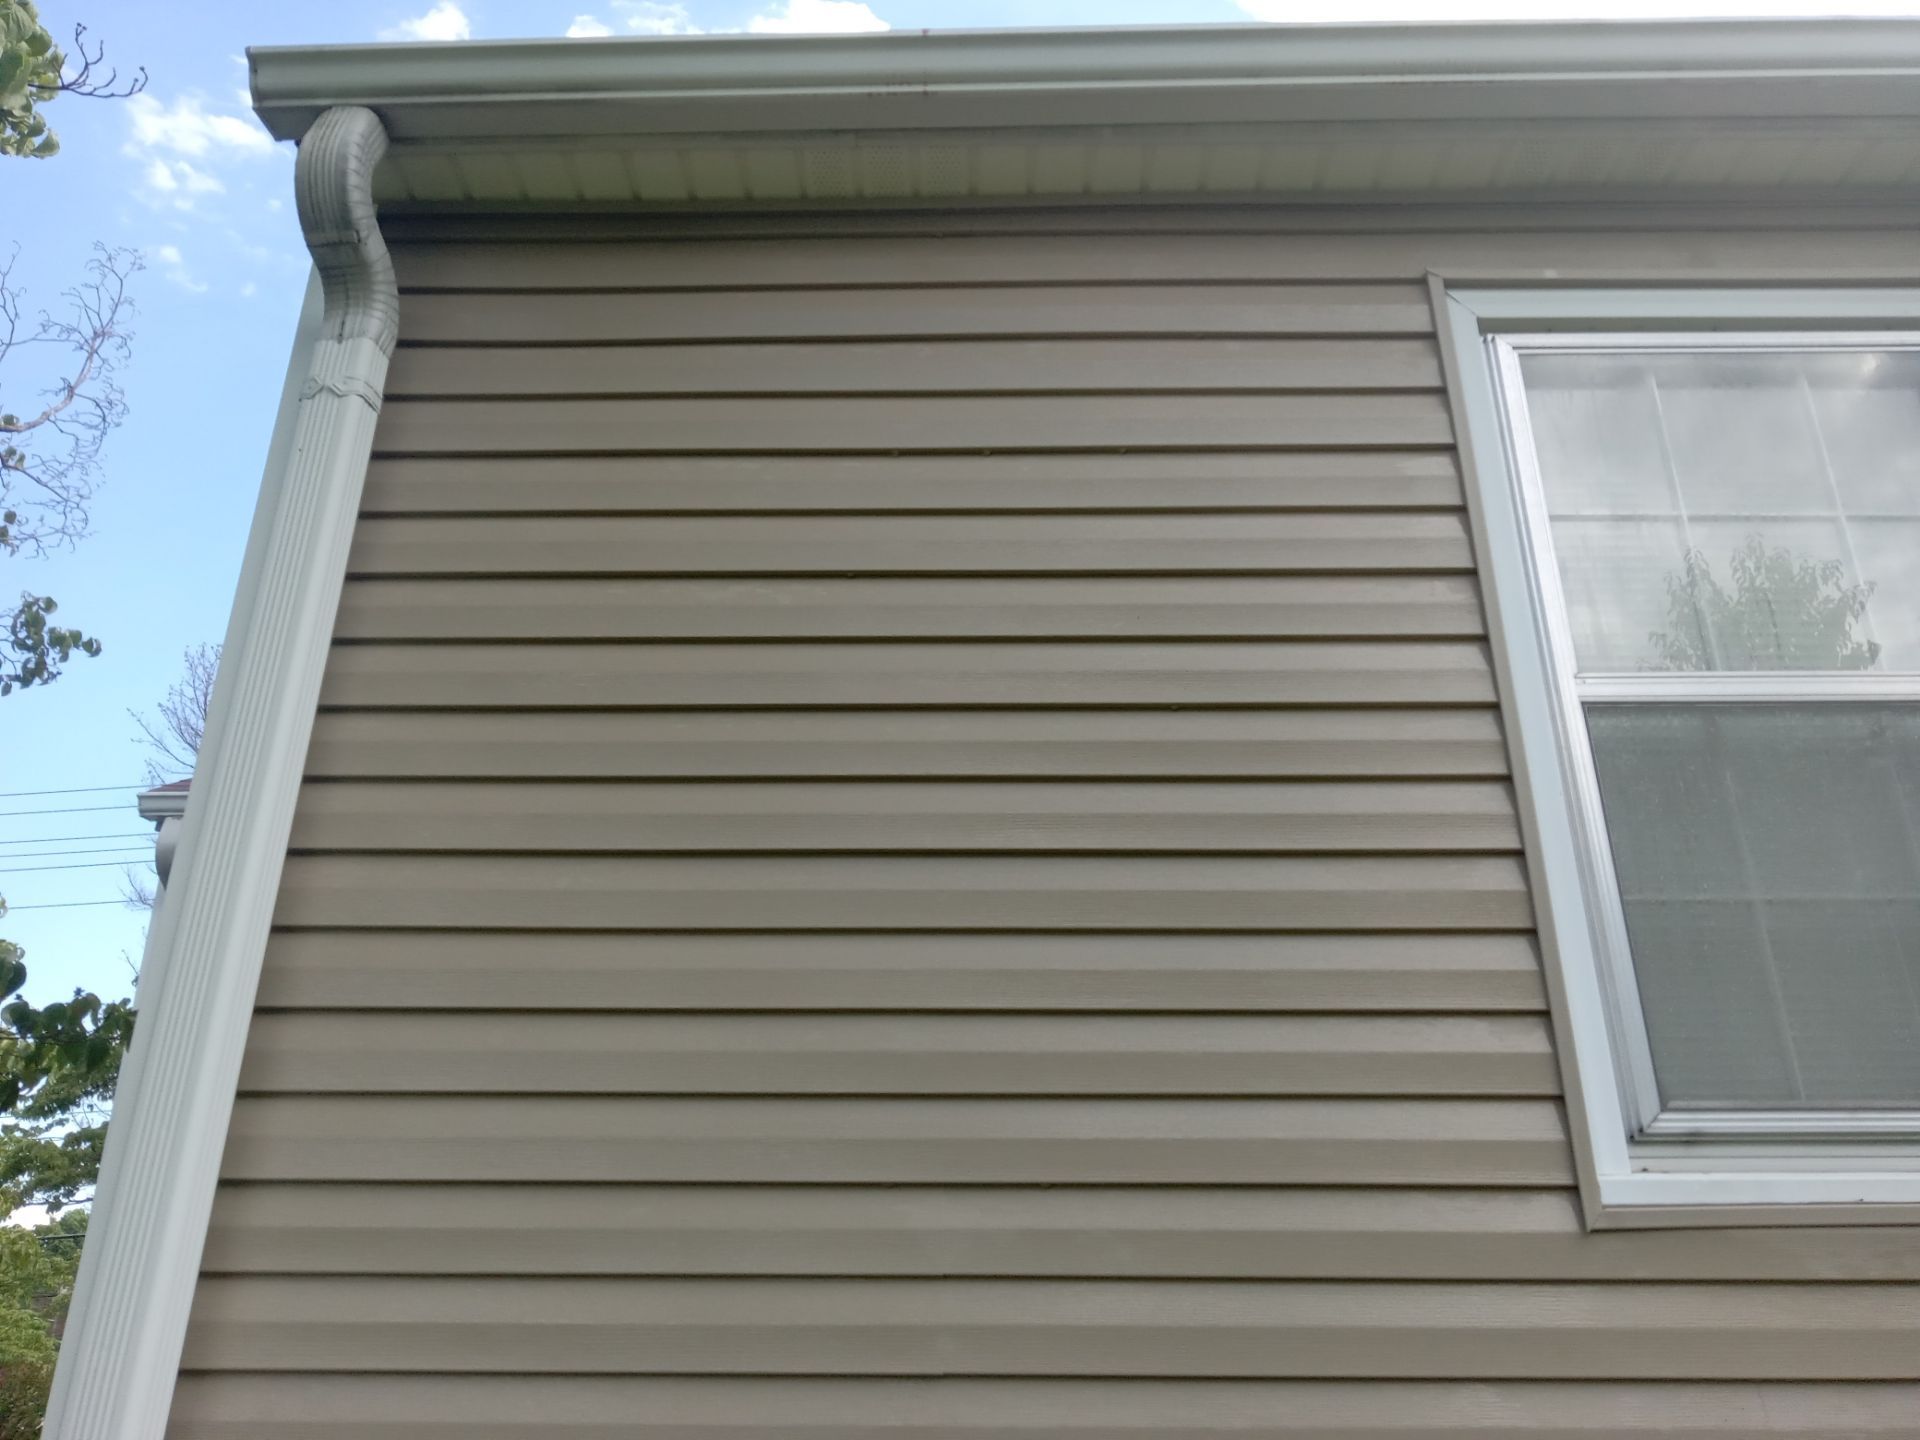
(187, 127)
(1323, 12)
(249, 290)
(585, 27)
(656, 17)
(445, 21)
(817, 17)
(180, 147)
(175, 184)
(174, 266)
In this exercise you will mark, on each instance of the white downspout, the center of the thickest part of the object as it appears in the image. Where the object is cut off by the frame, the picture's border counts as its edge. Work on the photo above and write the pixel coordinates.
(138, 1272)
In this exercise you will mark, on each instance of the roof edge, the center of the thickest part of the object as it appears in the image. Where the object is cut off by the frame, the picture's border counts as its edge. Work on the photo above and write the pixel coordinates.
(904, 80)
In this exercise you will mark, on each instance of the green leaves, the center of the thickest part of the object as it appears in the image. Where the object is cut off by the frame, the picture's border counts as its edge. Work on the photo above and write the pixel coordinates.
(37, 1272)
(34, 649)
(58, 1069)
(30, 69)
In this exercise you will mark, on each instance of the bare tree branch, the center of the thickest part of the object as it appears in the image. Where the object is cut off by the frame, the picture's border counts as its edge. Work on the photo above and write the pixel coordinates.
(135, 891)
(179, 722)
(82, 81)
(49, 458)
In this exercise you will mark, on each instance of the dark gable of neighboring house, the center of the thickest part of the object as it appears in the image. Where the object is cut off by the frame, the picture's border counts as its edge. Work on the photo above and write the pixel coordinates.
(904, 824)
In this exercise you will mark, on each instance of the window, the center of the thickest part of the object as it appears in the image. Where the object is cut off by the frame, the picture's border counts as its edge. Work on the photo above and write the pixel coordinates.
(1701, 524)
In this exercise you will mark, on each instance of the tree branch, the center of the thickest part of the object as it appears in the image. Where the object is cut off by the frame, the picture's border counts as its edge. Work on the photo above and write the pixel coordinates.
(81, 82)
(49, 456)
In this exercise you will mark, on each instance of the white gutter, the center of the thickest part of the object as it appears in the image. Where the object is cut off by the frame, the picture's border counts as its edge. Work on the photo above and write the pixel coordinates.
(1680, 70)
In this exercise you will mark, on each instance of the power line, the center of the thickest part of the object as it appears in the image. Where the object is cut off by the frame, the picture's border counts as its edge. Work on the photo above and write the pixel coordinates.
(72, 810)
(64, 905)
(62, 839)
(90, 865)
(51, 854)
(78, 790)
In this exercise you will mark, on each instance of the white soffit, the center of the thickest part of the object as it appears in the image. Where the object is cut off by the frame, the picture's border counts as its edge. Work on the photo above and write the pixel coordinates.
(1319, 112)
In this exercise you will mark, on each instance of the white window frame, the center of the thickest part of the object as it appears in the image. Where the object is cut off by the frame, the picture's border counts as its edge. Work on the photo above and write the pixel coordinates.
(1638, 1164)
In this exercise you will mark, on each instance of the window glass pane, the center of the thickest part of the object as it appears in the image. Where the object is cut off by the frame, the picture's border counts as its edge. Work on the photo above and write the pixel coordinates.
(1890, 550)
(1769, 863)
(1868, 403)
(1733, 510)
(1741, 434)
(1614, 575)
(1597, 429)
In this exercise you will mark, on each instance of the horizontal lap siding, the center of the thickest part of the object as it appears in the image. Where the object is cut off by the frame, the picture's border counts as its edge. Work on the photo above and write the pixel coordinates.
(1046, 545)
(970, 675)
(1248, 1233)
(893, 367)
(1013, 607)
(505, 318)
(879, 744)
(575, 1407)
(1227, 974)
(898, 1140)
(1304, 1329)
(899, 807)
(1297, 483)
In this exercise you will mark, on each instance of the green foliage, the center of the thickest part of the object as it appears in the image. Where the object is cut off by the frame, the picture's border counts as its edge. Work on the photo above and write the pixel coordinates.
(58, 1069)
(30, 67)
(37, 1269)
(1782, 613)
(35, 649)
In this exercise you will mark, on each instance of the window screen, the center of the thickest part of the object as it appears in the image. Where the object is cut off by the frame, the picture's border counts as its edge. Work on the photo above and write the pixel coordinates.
(1750, 512)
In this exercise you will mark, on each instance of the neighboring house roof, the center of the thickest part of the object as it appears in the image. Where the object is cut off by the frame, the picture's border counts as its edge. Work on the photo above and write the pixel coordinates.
(1356, 112)
(163, 802)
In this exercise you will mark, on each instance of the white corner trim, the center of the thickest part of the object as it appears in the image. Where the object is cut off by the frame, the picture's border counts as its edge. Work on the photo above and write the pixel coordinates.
(1625, 1177)
(128, 1322)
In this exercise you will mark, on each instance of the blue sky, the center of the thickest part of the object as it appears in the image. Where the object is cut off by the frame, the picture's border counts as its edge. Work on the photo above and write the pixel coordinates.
(184, 175)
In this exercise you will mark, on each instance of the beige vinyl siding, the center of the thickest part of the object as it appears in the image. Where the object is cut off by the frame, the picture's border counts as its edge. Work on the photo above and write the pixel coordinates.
(746, 313)
(513, 1407)
(1225, 545)
(1295, 483)
(908, 836)
(853, 973)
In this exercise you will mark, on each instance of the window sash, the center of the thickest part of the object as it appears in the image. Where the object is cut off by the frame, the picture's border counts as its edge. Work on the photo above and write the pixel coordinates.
(1682, 1130)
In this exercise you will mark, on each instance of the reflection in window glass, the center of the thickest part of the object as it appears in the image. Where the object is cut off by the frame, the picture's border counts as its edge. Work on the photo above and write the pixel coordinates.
(1733, 510)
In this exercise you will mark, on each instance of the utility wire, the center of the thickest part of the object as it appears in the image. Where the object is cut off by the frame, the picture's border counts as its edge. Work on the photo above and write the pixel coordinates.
(51, 854)
(81, 790)
(73, 810)
(90, 865)
(64, 905)
(62, 839)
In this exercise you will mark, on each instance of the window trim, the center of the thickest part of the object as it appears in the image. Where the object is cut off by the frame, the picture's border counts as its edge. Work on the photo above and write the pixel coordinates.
(1636, 1165)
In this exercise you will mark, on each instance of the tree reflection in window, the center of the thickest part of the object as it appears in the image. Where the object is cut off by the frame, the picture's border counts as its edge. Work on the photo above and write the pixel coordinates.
(1779, 612)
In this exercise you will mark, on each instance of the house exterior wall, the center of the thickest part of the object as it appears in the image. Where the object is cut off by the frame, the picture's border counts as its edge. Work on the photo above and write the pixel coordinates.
(909, 836)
